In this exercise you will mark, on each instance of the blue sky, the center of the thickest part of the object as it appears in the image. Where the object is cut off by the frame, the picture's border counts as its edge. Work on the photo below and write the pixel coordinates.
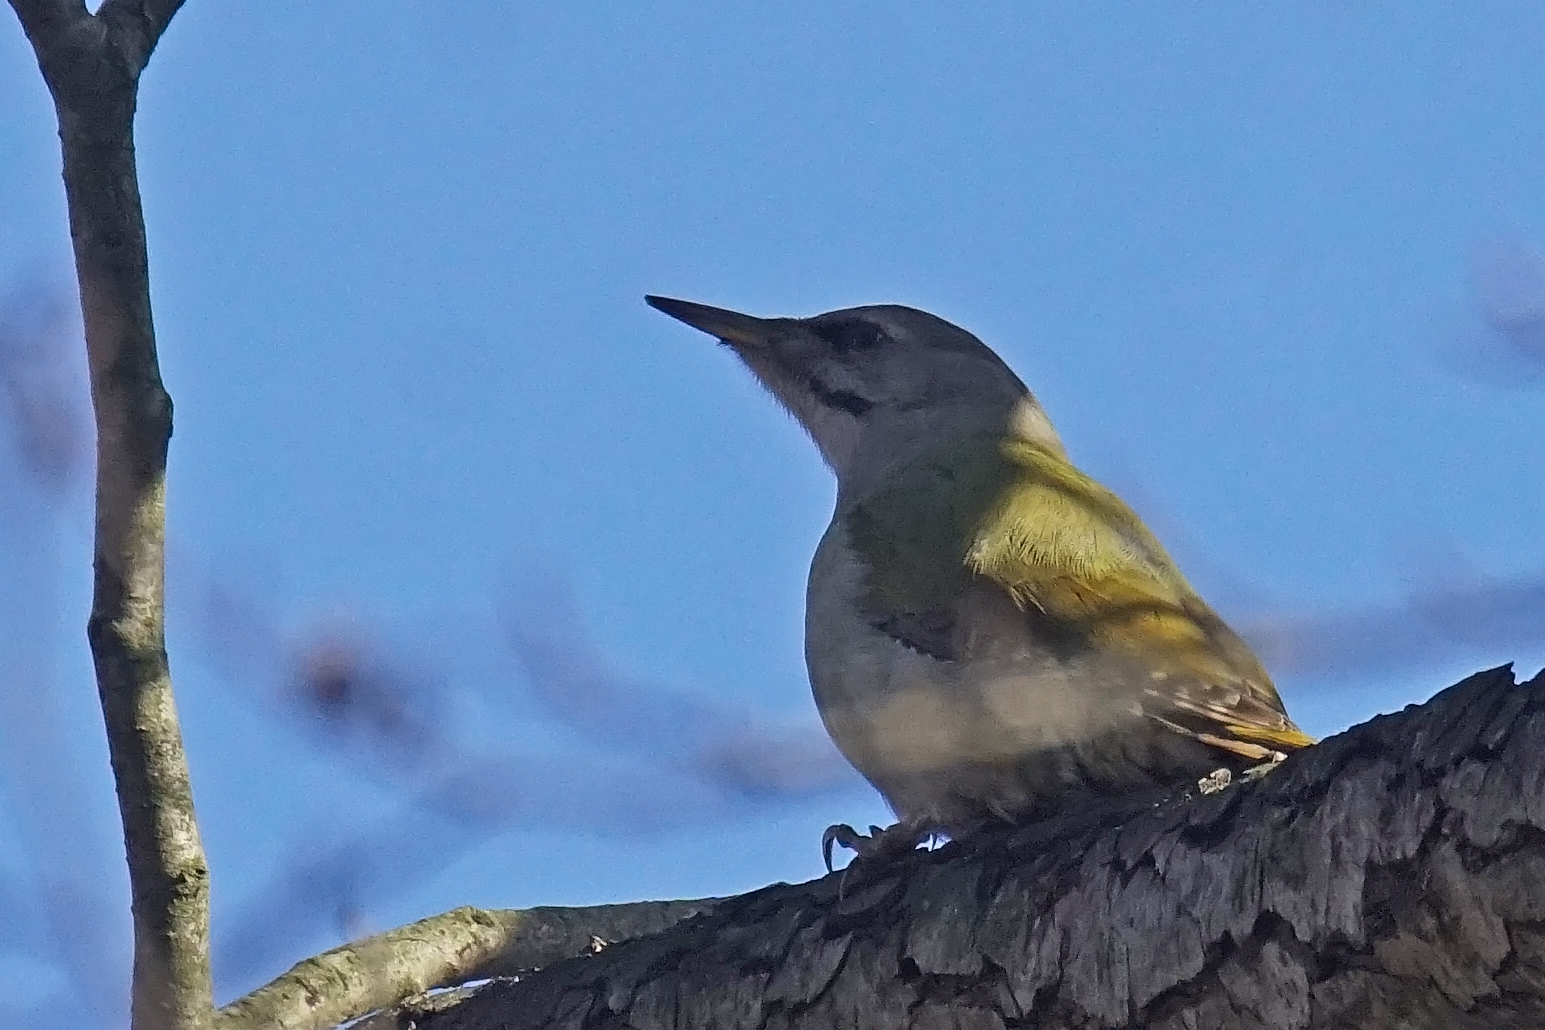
(1253, 262)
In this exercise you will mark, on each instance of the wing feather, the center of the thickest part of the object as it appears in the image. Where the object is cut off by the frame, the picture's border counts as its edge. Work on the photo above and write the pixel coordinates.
(1081, 564)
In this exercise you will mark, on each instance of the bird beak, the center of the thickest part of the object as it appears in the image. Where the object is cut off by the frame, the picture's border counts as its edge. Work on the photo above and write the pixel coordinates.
(732, 327)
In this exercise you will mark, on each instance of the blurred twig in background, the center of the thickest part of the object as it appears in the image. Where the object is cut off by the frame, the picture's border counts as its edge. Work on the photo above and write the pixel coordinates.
(1506, 346)
(59, 910)
(42, 390)
(593, 750)
(1442, 623)
(722, 746)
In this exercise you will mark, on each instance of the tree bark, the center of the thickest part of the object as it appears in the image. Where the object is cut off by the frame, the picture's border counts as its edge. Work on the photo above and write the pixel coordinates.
(452, 947)
(1390, 876)
(92, 65)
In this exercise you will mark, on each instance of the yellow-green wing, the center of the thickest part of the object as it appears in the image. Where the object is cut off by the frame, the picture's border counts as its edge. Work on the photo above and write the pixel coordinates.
(1081, 565)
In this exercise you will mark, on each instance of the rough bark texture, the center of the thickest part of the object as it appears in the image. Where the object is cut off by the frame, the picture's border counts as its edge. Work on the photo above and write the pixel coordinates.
(92, 65)
(1392, 876)
(453, 947)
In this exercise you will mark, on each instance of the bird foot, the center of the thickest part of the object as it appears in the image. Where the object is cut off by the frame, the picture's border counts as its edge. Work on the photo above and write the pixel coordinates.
(858, 843)
(1215, 781)
(1219, 779)
(876, 845)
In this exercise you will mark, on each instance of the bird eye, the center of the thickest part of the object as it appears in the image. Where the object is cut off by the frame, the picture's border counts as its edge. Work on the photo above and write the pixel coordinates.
(853, 335)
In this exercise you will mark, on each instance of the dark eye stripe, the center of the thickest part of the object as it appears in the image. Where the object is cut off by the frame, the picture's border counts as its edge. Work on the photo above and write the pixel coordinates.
(844, 400)
(851, 335)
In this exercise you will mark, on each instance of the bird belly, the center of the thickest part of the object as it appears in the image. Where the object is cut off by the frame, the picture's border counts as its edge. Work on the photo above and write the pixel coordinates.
(1009, 732)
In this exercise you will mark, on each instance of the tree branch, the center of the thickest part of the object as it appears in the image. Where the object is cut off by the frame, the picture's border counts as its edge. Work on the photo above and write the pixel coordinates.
(92, 67)
(47, 21)
(1393, 875)
(137, 25)
(451, 948)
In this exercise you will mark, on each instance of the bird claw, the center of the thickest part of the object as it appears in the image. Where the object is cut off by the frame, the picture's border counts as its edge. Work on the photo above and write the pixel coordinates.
(858, 843)
(1255, 772)
(1215, 781)
(888, 843)
(1219, 779)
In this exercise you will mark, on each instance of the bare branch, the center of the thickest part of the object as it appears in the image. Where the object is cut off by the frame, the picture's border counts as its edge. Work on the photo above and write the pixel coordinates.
(46, 21)
(1392, 875)
(137, 25)
(153, 15)
(451, 948)
(92, 67)
(325, 879)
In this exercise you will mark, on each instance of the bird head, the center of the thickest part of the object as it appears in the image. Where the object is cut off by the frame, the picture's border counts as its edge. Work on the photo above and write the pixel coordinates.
(873, 385)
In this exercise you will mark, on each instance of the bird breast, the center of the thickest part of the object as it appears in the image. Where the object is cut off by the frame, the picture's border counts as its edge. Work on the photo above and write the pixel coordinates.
(918, 725)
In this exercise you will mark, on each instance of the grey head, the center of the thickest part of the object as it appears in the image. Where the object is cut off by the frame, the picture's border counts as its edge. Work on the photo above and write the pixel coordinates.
(873, 384)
